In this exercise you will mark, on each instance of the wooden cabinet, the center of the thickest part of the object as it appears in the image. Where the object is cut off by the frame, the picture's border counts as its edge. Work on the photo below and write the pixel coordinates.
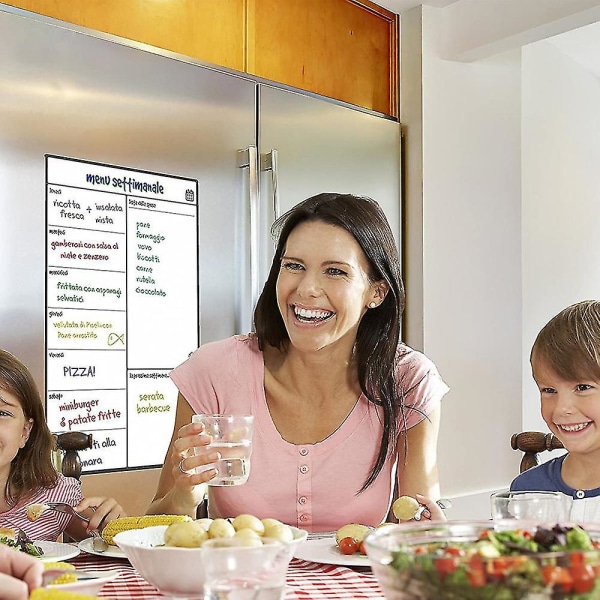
(212, 31)
(338, 48)
(344, 49)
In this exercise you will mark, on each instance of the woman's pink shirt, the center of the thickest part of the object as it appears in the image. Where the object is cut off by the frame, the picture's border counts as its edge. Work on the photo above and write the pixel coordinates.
(311, 486)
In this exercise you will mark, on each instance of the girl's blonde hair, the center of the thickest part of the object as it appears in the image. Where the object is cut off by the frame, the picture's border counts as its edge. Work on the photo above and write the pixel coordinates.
(32, 468)
(569, 344)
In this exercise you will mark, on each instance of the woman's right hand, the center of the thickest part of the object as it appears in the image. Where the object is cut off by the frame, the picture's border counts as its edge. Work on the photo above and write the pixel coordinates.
(180, 489)
(191, 451)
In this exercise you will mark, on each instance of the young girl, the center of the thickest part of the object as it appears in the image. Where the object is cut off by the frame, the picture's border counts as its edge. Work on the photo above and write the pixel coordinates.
(27, 475)
(565, 360)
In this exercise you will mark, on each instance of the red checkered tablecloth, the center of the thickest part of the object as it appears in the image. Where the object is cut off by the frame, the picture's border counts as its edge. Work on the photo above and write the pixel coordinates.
(305, 580)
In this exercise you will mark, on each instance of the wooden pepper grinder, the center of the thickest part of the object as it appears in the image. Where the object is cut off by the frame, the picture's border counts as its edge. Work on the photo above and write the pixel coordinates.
(70, 443)
(532, 442)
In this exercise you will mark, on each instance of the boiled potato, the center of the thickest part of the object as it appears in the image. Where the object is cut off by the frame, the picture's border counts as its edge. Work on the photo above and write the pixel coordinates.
(356, 531)
(221, 528)
(405, 508)
(34, 511)
(270, 522)
(247, 532)
(185, 534)
(279, 531)
(248, 522)
(204, 523)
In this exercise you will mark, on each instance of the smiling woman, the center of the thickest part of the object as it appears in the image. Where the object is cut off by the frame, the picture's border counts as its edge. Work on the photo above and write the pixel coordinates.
(346, 415)
(325, 277)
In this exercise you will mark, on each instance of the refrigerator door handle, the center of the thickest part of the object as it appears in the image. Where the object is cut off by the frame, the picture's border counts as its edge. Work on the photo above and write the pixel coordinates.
(248, 159)
(268, 162)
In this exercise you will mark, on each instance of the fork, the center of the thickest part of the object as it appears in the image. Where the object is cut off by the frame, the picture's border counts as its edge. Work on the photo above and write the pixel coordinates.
(98, 543)
(443, 503)
(66, 508)
(49, 575)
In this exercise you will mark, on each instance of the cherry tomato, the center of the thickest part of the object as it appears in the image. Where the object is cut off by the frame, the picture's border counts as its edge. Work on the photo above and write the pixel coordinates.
(583, 578)
(501, 566)
(348, 545)
(476, 571)
(454, 551)
(514, 562)
(361, 548)
(558, 577)
(446, 565)
(527, 535)
(577, 558)
(496, 568)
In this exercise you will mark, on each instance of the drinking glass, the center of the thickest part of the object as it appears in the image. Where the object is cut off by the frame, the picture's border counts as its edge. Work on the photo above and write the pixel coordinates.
(232, 438)
(543, 506)
(235, 572)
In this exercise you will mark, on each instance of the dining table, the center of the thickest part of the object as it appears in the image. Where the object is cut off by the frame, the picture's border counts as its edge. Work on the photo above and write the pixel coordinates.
(306, 580)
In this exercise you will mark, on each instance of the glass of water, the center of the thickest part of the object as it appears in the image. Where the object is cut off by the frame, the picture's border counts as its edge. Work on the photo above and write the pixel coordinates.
(245, 572)
(232, 439)
(543, 506)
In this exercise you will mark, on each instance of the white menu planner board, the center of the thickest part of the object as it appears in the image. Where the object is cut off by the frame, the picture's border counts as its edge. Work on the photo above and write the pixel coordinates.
(122, 296)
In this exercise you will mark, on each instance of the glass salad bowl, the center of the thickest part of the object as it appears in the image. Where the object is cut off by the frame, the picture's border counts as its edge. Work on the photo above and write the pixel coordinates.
(485, 560)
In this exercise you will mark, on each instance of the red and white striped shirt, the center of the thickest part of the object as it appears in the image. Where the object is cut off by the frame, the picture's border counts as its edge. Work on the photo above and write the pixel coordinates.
(51, 523)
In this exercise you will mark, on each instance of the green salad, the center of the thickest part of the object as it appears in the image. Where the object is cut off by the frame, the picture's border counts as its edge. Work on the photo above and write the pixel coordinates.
(23, 544)
(557, 563)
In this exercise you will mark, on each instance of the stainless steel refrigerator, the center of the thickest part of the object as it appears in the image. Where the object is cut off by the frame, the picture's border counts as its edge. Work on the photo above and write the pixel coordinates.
(254, 149)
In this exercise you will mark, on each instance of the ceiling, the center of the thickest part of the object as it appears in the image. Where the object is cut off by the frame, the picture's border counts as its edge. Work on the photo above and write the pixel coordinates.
(582, 45)
(399, 6)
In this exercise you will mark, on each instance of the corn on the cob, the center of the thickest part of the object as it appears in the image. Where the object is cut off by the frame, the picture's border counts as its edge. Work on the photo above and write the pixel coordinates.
(54, 594)
(65, 577)
(127, 523)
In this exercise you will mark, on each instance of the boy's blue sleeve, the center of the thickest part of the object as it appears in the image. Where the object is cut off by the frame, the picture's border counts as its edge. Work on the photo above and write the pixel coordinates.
(544, 477)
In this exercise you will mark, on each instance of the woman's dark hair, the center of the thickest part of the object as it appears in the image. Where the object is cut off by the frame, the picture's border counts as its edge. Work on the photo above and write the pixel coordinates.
(569, 344)
(32, 467)
(378, 334)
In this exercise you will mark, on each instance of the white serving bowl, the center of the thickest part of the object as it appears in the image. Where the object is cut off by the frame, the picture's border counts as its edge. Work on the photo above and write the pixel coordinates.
(89, 587)
(173, 571)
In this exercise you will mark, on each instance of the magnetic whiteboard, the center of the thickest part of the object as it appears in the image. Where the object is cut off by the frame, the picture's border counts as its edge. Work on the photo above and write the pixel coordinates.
(122, 301)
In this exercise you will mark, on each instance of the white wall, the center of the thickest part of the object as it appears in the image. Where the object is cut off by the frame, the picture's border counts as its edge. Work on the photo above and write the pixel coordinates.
(561, 181)
(471, 253)
(502, 223)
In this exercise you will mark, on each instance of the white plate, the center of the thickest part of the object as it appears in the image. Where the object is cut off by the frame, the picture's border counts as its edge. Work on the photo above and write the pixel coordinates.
(55, 551)
(87, 545)
(325, 550)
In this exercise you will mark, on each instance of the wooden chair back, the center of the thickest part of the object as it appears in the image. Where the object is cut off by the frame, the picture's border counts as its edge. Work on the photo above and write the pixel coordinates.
(66, 455)
(532, 443)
